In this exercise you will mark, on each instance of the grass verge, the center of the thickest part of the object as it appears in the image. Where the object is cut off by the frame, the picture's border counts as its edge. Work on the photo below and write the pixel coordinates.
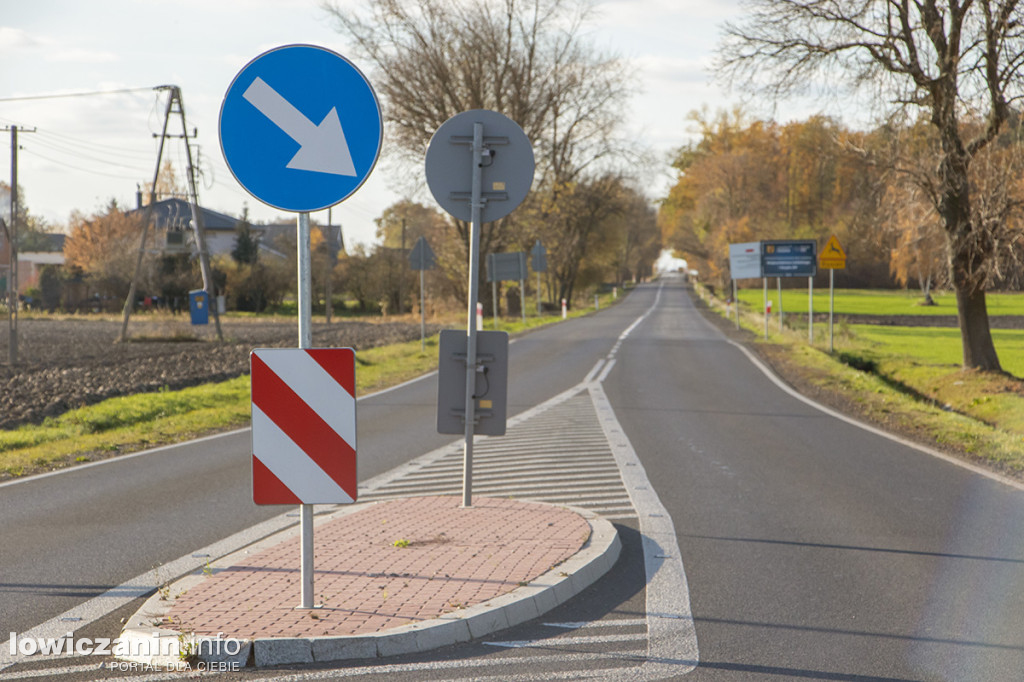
(907, 380)
(131, 423)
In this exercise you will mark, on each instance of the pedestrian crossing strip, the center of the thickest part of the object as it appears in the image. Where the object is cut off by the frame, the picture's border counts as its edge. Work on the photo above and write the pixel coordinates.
(559, 456)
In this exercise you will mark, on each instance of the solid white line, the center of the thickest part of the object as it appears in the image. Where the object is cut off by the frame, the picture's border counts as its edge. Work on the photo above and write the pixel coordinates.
(588, 624)
(49, 672)
(607, 369)
(555, 642)
(672, 646)
(869, 428)
(672, 636)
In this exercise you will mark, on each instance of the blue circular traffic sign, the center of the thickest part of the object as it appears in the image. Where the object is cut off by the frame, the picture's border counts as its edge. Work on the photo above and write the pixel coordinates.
(300, 128)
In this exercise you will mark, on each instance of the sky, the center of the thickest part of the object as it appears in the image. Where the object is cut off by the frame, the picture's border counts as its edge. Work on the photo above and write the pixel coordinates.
(89, 149)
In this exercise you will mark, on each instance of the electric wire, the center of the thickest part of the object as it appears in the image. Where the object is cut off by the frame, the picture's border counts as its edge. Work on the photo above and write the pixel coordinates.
(60, 138)
(48, 144)
(32, 152)
(93, 93)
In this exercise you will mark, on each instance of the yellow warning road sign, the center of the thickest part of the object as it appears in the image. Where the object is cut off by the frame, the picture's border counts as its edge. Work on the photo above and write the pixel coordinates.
(832, 257)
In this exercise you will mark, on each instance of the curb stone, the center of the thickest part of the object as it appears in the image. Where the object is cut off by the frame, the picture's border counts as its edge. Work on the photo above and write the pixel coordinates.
(148, 629)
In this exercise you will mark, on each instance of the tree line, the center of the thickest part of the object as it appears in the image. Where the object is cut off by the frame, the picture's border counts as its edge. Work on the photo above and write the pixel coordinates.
(430, 60)
(945, 80)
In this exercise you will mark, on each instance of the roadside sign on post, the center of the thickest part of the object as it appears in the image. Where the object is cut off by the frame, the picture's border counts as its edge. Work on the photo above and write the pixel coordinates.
(539, 258)
(422, 256)
(479, 167)
(745, 260)
(303, 425)
(789, 258)
(504, 267)
(301, 130)
(505, 161)
(832, 257)
(490, 393)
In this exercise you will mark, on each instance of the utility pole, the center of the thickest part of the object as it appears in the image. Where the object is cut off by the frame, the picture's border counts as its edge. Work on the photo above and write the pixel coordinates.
(197, 219)
(12, 240)
(129, 303)
(173, 98)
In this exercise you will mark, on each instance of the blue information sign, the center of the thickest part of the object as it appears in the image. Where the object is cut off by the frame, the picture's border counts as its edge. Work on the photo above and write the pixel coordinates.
(789, 258)
(300, 128)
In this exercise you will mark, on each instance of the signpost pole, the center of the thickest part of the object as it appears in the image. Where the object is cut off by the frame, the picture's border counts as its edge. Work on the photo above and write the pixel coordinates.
(810, 310)
(778, 281)
(476, 203)
(736, 303)
(538, 294)
(764, 305)
(831, 304)
(522, 299)
(423, 312)
(305, 274)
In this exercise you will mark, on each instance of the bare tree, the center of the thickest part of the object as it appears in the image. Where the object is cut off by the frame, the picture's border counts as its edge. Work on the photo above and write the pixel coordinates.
(527, 59)
(952, 61)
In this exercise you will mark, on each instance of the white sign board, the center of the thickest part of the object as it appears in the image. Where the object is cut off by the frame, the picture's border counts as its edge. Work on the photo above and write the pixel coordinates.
(745, 260)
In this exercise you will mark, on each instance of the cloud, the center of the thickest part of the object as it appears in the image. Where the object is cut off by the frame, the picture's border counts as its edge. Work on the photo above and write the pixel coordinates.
(81, 56)
(17, 39)
(52, 50)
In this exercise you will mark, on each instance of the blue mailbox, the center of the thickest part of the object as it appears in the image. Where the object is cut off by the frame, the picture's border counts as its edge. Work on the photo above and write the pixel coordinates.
(199, 306)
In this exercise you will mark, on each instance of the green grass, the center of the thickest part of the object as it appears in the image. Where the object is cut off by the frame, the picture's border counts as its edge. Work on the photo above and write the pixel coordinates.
(130, 423)
(939, 346)
(125, 423)
(910, 378)
(874, 302)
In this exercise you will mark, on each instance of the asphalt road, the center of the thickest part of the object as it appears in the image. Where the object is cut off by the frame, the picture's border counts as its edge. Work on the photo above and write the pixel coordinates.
(814, 549)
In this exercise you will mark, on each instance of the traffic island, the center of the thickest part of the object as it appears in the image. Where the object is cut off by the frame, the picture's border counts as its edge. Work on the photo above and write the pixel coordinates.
(391, 577)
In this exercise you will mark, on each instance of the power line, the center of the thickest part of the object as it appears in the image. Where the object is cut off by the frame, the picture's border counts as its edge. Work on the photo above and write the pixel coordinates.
(42, 142)
(32, 152)
(98, 147)
(92, 93)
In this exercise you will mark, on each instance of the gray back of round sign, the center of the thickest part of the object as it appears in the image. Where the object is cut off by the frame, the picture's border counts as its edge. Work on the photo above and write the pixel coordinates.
(506, 167)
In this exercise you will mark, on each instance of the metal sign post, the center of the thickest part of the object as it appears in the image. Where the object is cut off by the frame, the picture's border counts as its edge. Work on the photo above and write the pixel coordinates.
(501, 173)
(305, 287)
(422, 258)
(301, 130)
(476, 204)
(540, 264)
(833, 257)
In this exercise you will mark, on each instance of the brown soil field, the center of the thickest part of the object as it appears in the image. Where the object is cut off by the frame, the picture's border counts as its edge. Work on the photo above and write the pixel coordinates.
(68, 363)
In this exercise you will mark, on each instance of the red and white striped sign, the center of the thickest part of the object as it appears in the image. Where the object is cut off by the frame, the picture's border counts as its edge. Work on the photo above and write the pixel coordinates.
(303, 425)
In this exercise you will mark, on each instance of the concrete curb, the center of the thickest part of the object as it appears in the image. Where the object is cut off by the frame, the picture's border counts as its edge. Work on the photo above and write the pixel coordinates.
(149, 638)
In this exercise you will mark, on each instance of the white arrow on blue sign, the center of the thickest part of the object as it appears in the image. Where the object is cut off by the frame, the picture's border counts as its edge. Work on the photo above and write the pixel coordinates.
(300, 128)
